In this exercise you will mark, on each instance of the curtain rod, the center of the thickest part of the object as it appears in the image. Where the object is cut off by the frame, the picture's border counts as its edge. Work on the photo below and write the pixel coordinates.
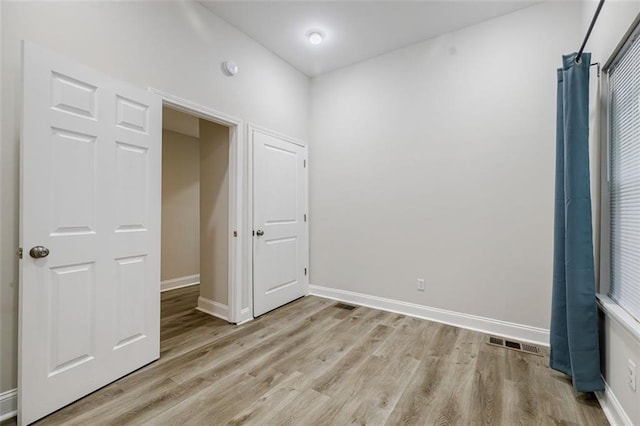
(586, 37)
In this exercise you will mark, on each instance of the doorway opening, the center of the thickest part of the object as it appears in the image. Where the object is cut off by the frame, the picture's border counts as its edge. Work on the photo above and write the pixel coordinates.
(221, 189)
(195, 210)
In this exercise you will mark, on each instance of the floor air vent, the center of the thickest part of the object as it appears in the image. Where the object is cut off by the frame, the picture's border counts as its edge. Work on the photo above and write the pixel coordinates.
(512, 344)
(496, 341)
(345, 306)
(532, 349)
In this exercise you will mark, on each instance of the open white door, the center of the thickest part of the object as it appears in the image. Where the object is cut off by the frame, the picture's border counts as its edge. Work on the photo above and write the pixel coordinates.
(279, 216)
(90, 198)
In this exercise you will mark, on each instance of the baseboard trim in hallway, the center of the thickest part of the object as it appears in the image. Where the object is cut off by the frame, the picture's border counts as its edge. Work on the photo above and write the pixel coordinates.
(511, 330)
(179, 282)
(214, 308)
(8, 404)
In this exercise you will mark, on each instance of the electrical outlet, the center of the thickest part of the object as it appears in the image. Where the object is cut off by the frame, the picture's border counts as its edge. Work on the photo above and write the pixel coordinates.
(420, 284)
(632, 375)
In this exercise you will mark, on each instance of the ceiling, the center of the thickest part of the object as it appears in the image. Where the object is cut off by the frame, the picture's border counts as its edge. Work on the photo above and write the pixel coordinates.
(354, 30)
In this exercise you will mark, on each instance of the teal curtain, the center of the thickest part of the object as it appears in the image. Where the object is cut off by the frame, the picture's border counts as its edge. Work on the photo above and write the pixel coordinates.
(574, 326)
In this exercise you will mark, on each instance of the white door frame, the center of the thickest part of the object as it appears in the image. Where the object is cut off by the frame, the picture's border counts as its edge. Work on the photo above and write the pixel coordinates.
(236, 285)
(251, 128)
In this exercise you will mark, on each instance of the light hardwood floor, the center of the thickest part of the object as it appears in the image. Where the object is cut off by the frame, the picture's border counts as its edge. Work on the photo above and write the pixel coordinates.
(312, 363)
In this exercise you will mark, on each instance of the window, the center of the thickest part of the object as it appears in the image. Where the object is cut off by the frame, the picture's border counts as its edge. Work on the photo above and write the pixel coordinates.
(624, 179)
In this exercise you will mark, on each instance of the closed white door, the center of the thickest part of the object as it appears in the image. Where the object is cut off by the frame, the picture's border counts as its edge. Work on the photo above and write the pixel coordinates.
(279, 216)
(90, 230)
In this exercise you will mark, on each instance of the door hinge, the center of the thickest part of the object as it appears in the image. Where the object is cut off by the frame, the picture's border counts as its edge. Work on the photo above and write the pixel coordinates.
(305, 217)
(235, 233)
(19, 253)
(305, 163)
(305, 271)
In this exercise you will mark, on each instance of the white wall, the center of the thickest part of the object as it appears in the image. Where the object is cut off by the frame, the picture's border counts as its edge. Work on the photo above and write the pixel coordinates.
(437, 161)
(173, 46)
(614, 21)
(214, 212)
(618, 345)
(180, 206)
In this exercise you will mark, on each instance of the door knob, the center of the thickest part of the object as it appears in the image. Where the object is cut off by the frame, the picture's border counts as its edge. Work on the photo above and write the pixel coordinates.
(259, 232)
(38, 252)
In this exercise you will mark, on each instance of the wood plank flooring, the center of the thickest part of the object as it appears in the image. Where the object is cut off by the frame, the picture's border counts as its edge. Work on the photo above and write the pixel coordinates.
(312, 363)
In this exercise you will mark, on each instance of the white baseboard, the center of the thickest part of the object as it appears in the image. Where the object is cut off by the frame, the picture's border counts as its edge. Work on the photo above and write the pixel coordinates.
(515, 331)
(245, 316)
(8, 404)
(180, 282)
(612, 407)
(214, 308)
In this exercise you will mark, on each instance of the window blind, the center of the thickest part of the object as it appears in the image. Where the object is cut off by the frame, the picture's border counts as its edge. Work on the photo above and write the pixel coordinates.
(624, 179)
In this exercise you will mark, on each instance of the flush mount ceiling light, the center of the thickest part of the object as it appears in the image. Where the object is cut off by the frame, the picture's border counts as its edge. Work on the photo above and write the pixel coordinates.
(315, 37)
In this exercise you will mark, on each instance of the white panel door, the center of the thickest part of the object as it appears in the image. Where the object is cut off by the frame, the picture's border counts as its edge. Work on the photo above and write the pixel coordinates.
(90, 195)
(280, 240)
